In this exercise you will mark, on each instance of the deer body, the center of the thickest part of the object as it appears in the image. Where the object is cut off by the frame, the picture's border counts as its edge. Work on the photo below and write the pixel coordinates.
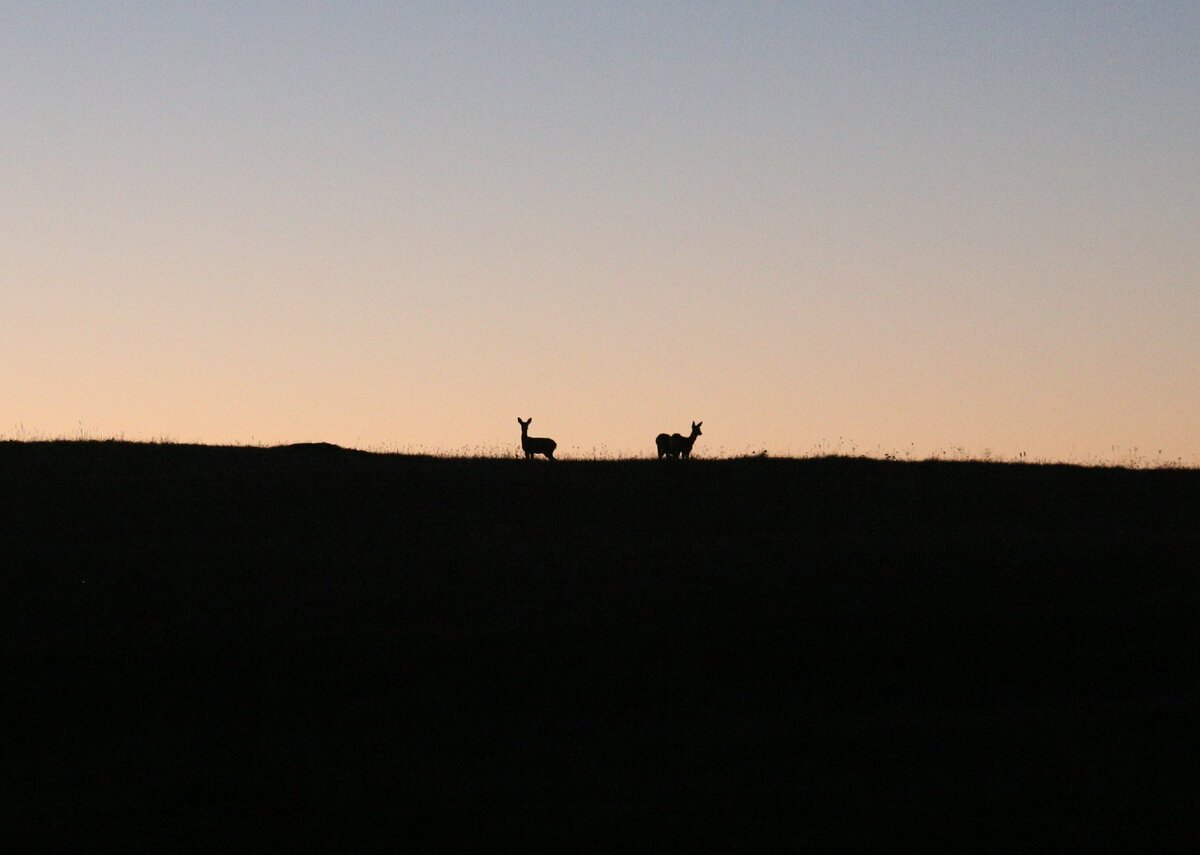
(532, 445)
(675, 445)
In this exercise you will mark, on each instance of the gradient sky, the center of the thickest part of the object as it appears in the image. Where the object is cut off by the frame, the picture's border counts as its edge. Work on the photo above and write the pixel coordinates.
(902, 227)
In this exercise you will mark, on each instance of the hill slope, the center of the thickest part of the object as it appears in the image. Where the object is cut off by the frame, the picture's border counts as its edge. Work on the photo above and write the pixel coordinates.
(228, 646)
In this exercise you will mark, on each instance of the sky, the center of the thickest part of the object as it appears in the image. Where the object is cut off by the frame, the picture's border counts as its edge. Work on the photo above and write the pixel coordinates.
(919, 228)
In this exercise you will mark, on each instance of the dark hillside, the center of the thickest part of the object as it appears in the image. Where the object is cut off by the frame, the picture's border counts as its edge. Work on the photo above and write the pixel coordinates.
(220, 648)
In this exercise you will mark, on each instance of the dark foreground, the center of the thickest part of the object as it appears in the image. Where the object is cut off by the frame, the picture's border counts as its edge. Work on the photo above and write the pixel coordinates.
(224, 648)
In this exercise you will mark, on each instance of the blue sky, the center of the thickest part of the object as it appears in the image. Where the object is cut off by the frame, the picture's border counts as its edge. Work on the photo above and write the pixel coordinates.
(915, 225)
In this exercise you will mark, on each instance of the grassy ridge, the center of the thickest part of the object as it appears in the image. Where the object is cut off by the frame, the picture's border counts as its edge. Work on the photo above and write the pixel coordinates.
(236, 644)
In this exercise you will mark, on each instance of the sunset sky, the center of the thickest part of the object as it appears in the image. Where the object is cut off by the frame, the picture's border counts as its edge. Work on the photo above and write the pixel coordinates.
(901, 227)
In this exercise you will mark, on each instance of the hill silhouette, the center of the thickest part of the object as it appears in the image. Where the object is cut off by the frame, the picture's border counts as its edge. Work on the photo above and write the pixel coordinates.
(227, 647)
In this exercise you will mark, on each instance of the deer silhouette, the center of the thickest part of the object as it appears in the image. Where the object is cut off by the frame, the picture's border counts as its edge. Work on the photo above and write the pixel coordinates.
(532, 445)
(676, 445)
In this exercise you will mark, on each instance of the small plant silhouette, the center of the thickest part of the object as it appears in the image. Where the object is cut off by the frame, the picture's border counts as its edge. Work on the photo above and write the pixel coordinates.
(532, 445)
(676, 446)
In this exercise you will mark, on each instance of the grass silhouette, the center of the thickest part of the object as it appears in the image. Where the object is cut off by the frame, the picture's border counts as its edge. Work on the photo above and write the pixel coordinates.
(219, 647)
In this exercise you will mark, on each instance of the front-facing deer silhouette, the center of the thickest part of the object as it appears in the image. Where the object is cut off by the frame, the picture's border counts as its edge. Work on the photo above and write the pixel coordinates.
(676, 445)
(532, 445)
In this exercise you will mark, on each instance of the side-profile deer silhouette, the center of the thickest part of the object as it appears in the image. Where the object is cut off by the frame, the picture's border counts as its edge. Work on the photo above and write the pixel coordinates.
(532, 445)
(676, 445)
